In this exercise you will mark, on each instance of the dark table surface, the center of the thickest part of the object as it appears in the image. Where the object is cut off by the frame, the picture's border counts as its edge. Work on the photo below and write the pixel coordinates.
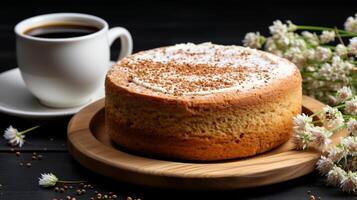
(152, 24)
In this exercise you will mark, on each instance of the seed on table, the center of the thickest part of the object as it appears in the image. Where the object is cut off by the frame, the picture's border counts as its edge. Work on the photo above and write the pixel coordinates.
(68, 197)
(92, 198)
(129, 198)
(73, 198)
(61, 190)
(105, 196)
(99, 196)
(39, 157)
(18, 153)
(12, 149)
(21, 164)
(96, 192)
(34, 153)
(70, 187)
(83, 191)
(65, 187)
(28, 165)
(114, 196)
(56, 189)
(34, 158)
(79, 192)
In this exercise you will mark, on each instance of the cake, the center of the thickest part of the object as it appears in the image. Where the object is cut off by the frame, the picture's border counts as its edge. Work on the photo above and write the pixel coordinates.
(201, 102)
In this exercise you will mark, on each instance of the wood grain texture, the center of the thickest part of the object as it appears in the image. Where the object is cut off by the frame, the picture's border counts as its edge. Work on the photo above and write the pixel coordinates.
(89, 144)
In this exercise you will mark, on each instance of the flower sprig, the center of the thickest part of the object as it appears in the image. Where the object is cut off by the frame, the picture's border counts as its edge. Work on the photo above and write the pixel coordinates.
(325, 61)
(50, 180)
(338, 163)
(15, 137)
(306, 133)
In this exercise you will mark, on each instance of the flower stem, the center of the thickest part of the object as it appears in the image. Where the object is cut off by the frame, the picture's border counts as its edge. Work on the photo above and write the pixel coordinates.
(28, 130)
(321, 28)
(71, 181)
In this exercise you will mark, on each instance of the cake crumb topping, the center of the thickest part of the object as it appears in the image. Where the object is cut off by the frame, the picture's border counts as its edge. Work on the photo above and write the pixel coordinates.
(190, 69)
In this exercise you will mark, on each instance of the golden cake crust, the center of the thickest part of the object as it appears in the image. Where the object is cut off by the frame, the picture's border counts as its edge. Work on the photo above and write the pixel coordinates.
(193, 126)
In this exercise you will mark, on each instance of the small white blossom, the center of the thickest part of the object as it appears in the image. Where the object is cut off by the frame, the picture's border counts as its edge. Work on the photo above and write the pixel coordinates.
(278, 28)
(349, 182)
(343, 94)
(301, 122)
(349, 143)
(324, 165)
(353, 46)
(352, 127)
(47, 180)
(301, 140)
(253, 40)
(351, 24)
(335, 176)
(291, 26)
(14, 137)
(331, 117)
(341, 50)
(327, 36)
(336, 154)
(322, 54)
(311, 38)
(282, 40)
(351, 106)
(309, 54)
(320, 137)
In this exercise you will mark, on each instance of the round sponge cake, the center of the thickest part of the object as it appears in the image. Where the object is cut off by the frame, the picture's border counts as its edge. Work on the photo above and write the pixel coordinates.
(202, 102)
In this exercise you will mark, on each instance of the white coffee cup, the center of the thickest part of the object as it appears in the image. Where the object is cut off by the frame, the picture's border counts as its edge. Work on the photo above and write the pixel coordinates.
(66, 72)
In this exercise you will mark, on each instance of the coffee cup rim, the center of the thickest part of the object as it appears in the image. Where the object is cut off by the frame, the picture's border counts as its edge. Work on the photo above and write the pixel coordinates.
(26, 24)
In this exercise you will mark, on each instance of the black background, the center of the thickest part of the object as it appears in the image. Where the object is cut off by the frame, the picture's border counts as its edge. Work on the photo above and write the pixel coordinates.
(152, 24)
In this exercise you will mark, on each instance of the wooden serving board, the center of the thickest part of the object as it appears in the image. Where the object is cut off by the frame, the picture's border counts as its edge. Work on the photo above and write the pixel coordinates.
(92, 147)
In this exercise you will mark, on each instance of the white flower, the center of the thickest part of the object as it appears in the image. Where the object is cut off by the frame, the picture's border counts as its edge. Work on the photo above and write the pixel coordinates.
(353, 46)
(327, 36)
(341, 50)
(351, 24)
(320, 137)
(301, 122)
(14, 137)
(47, 180)
(336, 154)
(343, 94)
(349, 182)
(352, 127)
(311, 38)
(335, 176)
(348, 143)
(291, 26)
(351, 106)
(295, 55)
(253, 40)
(331, 117)
(309, 54)
(324, 165)
(282, 40)
(278, 28)
(322, 54)
(301, 140)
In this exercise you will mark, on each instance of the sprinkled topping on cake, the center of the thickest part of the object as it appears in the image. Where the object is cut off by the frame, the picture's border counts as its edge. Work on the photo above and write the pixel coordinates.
(190, 69)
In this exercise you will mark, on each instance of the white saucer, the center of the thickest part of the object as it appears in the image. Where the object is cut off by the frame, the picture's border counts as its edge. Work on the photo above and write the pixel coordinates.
(16, 100)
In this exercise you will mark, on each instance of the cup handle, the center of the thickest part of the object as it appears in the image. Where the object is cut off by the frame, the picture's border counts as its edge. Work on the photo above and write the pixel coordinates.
(125, 38)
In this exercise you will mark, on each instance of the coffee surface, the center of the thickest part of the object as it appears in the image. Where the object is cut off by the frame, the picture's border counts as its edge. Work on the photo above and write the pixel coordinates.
(61, 31)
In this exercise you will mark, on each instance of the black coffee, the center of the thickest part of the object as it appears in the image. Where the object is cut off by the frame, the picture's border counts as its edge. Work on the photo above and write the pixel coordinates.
(61, 31)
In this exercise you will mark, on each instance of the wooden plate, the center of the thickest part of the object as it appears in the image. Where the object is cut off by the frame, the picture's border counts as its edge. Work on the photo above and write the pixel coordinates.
(89, 145)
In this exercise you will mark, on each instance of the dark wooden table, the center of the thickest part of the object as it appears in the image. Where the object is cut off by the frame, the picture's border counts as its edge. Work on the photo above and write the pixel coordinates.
(152, 24)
